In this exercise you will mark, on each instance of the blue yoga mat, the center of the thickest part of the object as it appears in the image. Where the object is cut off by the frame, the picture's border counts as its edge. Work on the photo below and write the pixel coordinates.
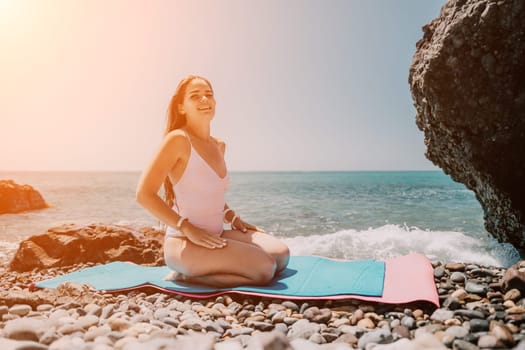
(305, 276)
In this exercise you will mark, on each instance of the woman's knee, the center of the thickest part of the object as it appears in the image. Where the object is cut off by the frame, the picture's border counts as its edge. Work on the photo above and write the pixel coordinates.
(265, 271)
(282, 256)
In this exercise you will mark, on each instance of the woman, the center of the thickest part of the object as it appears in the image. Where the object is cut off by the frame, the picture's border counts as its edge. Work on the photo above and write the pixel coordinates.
(191, 164)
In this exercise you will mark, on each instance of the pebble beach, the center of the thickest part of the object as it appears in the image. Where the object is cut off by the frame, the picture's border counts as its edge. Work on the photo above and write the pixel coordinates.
(474, 314)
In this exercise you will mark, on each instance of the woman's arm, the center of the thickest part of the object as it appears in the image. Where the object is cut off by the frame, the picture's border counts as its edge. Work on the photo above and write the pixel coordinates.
(169, 153)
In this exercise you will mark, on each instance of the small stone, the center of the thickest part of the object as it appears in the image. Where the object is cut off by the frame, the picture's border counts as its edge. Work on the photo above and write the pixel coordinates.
(290, 305)
(516, 310)
(93, 309)
(469, 313)
(281, 327)
(487, 341)
(503, 334)
(476, 288)
(439, 272)
(101, 331)
(317, 315)
(267, 340)
(290, 320)
(118, 324)
(69, 328)
(262, 326)
(3, 310)
(452, 303)
(366, 323)
(452, 322)
(279, 317)
(24, 329)
(460, 344)
(455, 267)
(378, 336)
(347, 338)
(20, 309)
(408, 322)
(441, 315)
(456, 331)
(303, 329)
(87, 321)
(317, 339)
(479, 325)
(401, 331)
(357, 316)
(460, 294)
(43, 307)
(457, 277)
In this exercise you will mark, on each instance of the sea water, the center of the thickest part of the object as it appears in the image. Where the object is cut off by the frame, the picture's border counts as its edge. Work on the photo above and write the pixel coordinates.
(348, 215)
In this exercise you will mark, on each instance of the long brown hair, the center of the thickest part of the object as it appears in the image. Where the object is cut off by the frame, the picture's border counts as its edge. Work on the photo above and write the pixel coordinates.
(175, 120)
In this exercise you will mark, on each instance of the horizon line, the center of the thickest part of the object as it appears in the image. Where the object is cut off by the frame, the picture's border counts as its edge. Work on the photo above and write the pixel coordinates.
(230, 171)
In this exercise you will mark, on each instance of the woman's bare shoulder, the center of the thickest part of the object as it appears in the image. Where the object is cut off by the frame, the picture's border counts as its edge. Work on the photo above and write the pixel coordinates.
(177, 139)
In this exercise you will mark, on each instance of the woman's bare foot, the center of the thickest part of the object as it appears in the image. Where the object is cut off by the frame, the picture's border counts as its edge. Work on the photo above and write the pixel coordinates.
(174, 276)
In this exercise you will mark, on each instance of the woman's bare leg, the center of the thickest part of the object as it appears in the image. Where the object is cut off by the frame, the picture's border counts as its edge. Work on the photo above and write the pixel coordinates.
(271, 245)
(238, 263)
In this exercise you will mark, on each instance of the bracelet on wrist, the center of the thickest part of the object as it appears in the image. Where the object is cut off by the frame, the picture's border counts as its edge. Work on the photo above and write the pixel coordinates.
(233, 221)
(180, 222)
(226, 213)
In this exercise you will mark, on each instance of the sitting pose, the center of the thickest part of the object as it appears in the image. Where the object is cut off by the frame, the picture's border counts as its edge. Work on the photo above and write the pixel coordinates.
(190, 163)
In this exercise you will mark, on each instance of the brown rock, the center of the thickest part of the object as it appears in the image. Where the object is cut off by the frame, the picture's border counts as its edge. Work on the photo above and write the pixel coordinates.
(366, 323)
(514, 278)
(503, 334)
(69, 245)
(15, 198)
(467, 86)
(455, 267)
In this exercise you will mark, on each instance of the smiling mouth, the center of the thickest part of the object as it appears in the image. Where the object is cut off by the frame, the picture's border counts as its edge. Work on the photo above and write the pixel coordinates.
(204, 109)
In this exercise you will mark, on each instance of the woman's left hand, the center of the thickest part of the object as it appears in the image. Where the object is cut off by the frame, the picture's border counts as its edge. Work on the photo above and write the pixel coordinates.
(244, 226)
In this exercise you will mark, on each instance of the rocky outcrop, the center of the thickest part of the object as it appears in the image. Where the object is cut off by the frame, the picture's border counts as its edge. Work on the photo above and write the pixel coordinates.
(468, 85)
(15, 198)
(70, 245)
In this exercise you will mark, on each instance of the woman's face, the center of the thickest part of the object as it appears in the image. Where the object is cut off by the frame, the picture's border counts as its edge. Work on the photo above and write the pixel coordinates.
(198, 104)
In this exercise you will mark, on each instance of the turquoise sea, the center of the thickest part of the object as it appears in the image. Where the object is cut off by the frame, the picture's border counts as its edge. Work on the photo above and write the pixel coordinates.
(351, 214)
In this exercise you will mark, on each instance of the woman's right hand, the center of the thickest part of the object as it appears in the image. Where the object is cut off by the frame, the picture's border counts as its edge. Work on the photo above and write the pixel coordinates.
(201, 237)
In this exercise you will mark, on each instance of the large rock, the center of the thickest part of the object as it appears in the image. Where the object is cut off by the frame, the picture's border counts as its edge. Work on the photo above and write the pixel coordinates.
(468, 85)
(15, 198)
(70, 244)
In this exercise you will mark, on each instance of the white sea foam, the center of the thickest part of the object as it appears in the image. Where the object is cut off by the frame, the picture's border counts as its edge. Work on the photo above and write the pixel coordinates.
(393, 240)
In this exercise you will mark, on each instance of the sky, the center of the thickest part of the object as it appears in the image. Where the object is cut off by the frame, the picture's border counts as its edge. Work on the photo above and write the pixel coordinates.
(300, 84)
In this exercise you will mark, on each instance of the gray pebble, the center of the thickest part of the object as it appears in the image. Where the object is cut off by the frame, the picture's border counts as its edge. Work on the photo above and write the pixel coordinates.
(476, 288)
(439, 272)
(303, 329)
(463, 345)
(317, 338)
(262, 326)
(268, 340)
(458, 277)
(456, 331)
(279, 317)
(378, 336)
(442, 315)
(91, 334)
(408, 322)
(479, 325)
(281, 327)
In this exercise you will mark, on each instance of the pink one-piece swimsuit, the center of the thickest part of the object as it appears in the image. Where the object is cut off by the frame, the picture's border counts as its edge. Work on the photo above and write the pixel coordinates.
(199, 195)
